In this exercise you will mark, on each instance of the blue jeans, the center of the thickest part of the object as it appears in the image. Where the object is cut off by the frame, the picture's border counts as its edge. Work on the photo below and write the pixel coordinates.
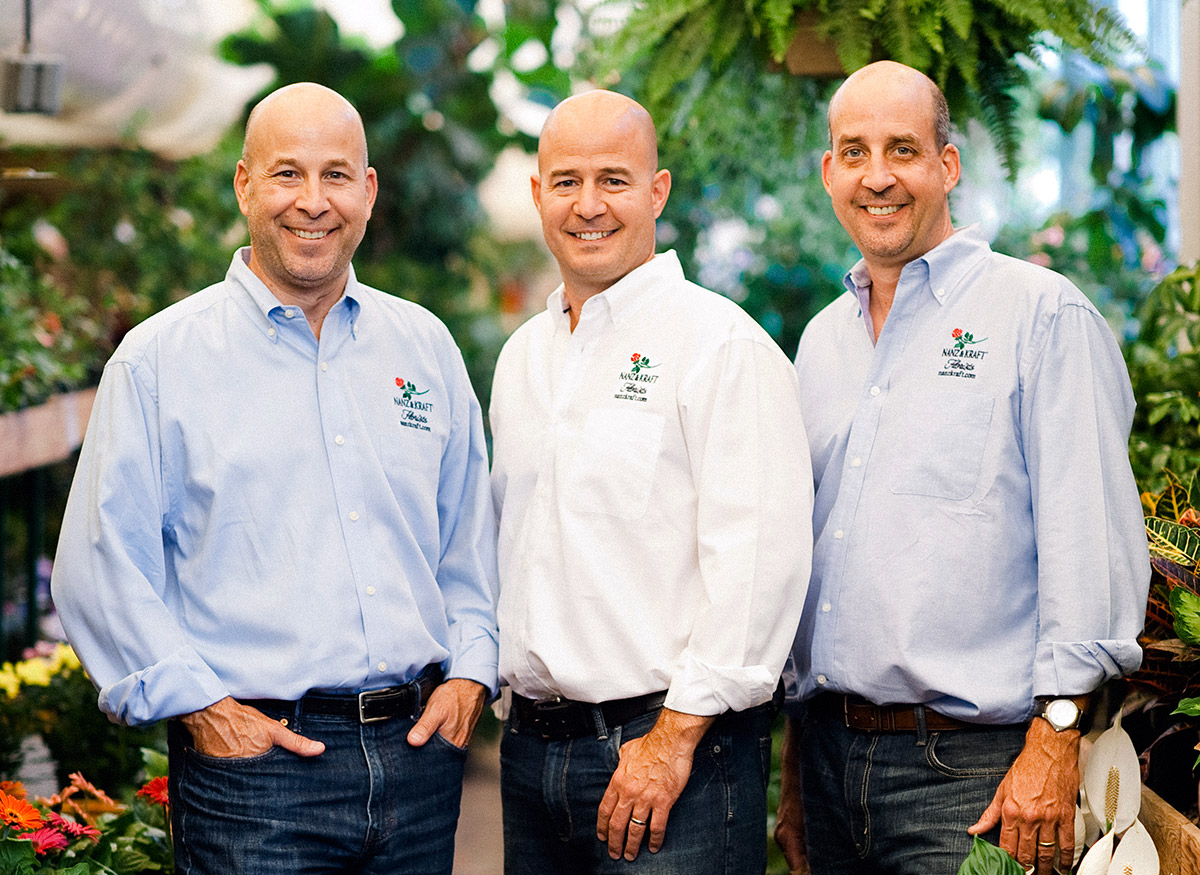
(371, 803)
(897, 802)
(551, 793)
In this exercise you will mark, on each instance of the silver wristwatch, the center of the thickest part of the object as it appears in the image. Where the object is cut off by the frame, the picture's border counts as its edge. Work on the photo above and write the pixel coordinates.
(1059, 713)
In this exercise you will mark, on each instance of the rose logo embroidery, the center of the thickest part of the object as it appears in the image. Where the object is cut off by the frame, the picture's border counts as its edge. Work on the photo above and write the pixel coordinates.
(408, 389)
(963, 338)
(641, 362)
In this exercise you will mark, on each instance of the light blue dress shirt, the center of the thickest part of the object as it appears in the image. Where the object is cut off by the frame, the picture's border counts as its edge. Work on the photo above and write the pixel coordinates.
(257, 514)
(979, 537)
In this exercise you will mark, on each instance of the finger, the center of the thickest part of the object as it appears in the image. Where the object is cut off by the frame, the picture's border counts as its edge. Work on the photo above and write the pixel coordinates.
(617, 828)
(1008, 841)
(1028, 852)
(608, 804)
(636, 832)
(987, 820)
(1047, 850)
(1066, 845)
(431, 719)
(297, 744)
(658, 828)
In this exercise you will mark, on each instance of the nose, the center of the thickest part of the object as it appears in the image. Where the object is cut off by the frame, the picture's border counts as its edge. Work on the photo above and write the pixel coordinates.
(590, 202)
(878, 176)
(312, 198)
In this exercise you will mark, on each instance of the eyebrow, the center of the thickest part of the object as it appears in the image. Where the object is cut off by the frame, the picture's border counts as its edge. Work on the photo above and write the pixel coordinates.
(603, 171)
(339, 163)
(900, 139)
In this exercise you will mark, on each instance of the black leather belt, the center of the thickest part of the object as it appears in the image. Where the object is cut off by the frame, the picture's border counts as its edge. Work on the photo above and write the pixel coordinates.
(855, 712)
(563, 719)
(369, 706)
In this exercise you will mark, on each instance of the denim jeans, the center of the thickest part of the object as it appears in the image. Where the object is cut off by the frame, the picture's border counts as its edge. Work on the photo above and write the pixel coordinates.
(898, 802)
(371, 803)
(551, 793)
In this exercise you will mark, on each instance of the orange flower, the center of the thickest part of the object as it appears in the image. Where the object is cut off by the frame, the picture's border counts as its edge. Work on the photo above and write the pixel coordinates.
(77, 780)
(13, 788)
(155, 790)
(18, 813)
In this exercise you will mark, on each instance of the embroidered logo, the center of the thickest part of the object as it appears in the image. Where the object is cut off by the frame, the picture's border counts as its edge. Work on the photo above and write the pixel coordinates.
(634, 383)
(960, 358)
(413, 412)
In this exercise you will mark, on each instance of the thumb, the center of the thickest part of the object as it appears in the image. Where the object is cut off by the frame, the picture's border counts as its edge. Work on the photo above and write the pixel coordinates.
(297, 744)
(987, 820)
(423, 729)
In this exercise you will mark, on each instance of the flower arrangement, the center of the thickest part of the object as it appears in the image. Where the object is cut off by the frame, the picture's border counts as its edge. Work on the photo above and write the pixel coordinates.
(50, 694)
(82, 830)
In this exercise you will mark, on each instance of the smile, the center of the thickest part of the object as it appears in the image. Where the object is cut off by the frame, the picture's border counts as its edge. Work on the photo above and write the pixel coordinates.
(881, 211)
(591, 235)
(308, 235)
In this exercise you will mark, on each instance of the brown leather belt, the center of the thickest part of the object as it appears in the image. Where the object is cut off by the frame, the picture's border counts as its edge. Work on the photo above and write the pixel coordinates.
(856, 712)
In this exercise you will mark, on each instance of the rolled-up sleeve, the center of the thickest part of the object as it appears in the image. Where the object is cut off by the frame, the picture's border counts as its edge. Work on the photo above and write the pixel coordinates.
(109, 575)
(1093, 565)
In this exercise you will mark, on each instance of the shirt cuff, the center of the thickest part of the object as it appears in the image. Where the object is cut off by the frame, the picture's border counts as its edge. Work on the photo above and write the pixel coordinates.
(706, 691)
(477, 660)
(180, 684)
(1072, 668)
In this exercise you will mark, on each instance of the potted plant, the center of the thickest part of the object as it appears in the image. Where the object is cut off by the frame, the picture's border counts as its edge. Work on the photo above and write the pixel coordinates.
(969, 47)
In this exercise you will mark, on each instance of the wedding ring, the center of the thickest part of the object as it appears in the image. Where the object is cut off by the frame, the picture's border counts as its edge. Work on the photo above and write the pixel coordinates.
(638, 822)
(1046, 844)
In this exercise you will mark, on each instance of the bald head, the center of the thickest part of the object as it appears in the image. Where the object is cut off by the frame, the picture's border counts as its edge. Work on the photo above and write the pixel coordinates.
(886, 78)
(292, 106)
(601, 110)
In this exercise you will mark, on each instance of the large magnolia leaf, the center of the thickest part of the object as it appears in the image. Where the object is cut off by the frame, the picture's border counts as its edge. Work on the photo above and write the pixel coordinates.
(1135, 853)
(1113, 780)
(1096, 861)
(1173, 541)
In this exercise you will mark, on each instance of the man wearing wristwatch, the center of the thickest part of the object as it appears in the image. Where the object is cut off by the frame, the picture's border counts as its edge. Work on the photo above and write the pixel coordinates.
(980, 560)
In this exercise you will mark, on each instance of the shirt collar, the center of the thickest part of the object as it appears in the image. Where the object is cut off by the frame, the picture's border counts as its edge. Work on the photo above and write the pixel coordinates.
(272, 309)
(943, 268)
(627, 294)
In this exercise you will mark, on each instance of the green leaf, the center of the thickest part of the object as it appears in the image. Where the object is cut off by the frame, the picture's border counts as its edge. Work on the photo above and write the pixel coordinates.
(16, 857)
(1175, 542)
(1189, 707)
(987, 859)
(1185, 604)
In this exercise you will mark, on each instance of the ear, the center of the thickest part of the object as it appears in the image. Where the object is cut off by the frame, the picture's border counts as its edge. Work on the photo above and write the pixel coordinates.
(826, 168)
(952, 162)
(535, 184)
(660, 190)
(372, 180)
(241, 181)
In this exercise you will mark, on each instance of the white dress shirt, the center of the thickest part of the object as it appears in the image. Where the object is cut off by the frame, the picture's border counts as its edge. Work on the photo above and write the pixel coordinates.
(652, 478)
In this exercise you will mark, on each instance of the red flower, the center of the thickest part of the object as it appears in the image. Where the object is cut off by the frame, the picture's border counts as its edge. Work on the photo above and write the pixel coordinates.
(635, 356)
(18, 813)
(155, 790)
(400, 382)
(46, 839)
(956, 333)
(73, 829)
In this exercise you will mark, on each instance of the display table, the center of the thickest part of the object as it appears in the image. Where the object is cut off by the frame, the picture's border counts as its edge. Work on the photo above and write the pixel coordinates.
(45, 434)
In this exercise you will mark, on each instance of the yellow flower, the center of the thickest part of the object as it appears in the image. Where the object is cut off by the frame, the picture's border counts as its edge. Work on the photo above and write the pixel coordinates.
(34, 672)
(9, 682)
(63, 657)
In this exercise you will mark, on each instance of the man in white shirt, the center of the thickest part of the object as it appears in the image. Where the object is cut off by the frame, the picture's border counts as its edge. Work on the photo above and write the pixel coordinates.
(654, 491)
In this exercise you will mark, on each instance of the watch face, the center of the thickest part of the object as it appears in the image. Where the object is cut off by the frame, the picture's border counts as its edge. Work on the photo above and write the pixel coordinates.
(1062, 713)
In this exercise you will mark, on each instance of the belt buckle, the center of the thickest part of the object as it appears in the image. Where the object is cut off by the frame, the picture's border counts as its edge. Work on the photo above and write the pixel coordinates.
(549, 714)
(367, 696)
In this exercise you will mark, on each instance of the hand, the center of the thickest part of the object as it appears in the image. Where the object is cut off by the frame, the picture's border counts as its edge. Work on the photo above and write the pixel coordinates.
(453, 710)
(651, 774)
(789, 818)
(1035, 803)
(230, 729)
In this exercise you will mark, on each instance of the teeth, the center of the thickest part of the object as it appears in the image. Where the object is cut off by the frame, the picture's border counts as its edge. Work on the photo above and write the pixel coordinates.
(881, 211)
(308, 235)
(592, 235)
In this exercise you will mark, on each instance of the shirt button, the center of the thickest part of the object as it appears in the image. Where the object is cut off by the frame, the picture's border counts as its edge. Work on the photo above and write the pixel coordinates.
(353, 516)
(821, 679)
(324, 366)
(270, 332)
(857, 463)
(827, 607)
(339, 440)
(383, 666)
(839, 534)
(940, 293)
(370, 590)
(874, 391)
(289, 313)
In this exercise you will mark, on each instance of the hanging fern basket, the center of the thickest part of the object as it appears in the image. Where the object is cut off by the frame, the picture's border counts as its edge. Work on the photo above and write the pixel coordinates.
(810, 54)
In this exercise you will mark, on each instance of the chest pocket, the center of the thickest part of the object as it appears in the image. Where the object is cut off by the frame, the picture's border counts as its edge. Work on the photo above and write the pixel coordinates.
(949, 432)
(613, 469)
